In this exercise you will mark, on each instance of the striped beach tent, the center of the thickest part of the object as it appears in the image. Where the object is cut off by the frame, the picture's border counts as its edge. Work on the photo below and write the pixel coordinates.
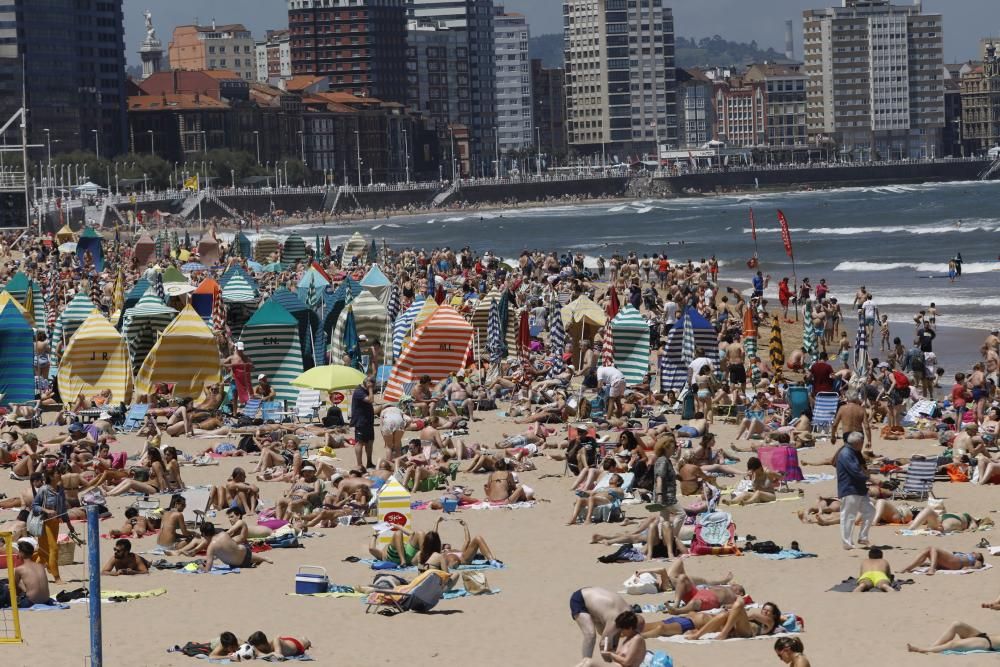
(144, 250)
(293, 250)
(307, 324)
(142, 324)
(72, 316)
(809, 341)
(266, 247)
(369, 320)
(92, 242)
(208, 249)
(425, 312)
(237, 270)
(243, 246)
(311, 278)
(271, 340)
(6, 298)
(438, 349)
(494, 335)
(557, 342)
(138, 290)
(17, 349)
(241, 300)
(95, 359)
(776, 347)
(335, 300)
(582, 318)
(185, 354)
(630, 332)
(356, 246)
(699, 333)
(376, 283)
(18, 286)
(481, 317)
(204, 296)
(401, 327)
(65, 235)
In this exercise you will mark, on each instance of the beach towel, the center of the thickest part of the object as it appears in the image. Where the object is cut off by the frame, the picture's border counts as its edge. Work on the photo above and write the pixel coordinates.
(216, 569)
(462, 593)
(227, 661)
(815, 478)
(848, 585)
(787, 554)
(919, 532)
(389, 565)
(923, 570)
(711, 638)
(55, 606)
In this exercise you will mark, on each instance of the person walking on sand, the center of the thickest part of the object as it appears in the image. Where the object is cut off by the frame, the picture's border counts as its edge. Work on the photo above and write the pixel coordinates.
(852, 489)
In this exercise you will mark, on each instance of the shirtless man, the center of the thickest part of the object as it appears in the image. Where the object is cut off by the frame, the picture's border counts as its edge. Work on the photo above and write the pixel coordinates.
(459, 399)
(688, 597)
(222, 546)
(735, 359)
(874, 572)
(236, 490)
(595, 610)
(124, 562)
(852, 418)
(630, 649)
(30, 578)
(174, 533)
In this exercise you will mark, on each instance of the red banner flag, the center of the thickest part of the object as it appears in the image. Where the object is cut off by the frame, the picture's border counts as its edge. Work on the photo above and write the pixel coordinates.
(785, 235)
(753, 225)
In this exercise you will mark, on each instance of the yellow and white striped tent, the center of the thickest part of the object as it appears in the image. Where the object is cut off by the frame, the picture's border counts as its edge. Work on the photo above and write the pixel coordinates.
(369, 319)
(393, 507)
(355, 246)
(267, 248)
(185, 354)
(95, 359)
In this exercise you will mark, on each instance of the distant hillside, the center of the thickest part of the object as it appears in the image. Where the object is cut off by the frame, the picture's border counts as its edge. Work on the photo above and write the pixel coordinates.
(705, 52)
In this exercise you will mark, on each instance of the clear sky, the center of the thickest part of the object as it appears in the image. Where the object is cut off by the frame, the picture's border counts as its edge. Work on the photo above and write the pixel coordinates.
(966, 21)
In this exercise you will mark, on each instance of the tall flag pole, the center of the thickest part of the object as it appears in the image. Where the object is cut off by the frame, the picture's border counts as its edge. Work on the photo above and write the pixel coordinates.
(753, 263)
(786, 238)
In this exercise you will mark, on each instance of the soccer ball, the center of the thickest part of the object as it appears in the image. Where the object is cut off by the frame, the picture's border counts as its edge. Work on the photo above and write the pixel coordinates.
(246, 652)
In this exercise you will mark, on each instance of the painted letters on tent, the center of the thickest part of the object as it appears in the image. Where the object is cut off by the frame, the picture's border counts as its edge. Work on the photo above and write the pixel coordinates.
(438, 349)
(95, 359)
(271, 340)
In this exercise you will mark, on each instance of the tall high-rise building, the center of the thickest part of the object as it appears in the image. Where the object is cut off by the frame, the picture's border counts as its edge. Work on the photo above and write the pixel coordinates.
(515, 128)
(474, 18)
(549, 96)
(229, 47)
(274, 56)
(621, 85)
(73, 58)
(359, 44)
(875, 86)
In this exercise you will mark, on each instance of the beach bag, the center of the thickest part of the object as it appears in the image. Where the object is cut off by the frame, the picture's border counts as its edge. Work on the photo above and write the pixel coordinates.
(641, 583)
(475, 583)
(714, 535)
(657, 659)
(35, 525)
(92, 497)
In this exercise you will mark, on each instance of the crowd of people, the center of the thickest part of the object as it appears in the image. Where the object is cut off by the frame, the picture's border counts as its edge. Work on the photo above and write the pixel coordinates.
(623, 443)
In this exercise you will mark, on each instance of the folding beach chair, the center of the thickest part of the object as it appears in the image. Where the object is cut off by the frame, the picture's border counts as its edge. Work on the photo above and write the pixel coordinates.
(274, 412)
(599, 405)
(135, 417)
(307, 404)
(824, 411)
(783, 459)
(628, 479)
(798, 400)
(251, 408)
(918, 481)
(420, 595)
(197, 504)
(714, 535)
(382, 377)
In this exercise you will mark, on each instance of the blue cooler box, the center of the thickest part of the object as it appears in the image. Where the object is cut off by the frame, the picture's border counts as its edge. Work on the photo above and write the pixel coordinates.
(311, 579)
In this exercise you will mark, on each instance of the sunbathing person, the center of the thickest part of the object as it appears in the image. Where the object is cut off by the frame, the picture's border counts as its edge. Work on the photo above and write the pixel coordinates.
(702, 456)
(402, 550)
(667, 577)
(939, 559)
(588, 477)
(174, 533)
(240, 530)
(741, 623)
(158, 481)
(874, 572)
(935, 519)
(336, 505)
(473, 548)
(657, 534)
(688, 597)
(988, 469)
(223, 547)
(503, 486)
(124, 562)
(887, 512)
(136, 525)
(961, 637)
(235, 491)
(307, 490)
(226, 646)
(610, 496)
(672, 626)
(763, 485)
(286, 647)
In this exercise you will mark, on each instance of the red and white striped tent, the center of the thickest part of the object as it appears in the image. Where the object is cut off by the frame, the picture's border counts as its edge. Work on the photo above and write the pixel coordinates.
(438, 349)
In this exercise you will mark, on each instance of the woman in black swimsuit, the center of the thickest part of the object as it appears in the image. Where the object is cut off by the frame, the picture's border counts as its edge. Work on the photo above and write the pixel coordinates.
(961, 637)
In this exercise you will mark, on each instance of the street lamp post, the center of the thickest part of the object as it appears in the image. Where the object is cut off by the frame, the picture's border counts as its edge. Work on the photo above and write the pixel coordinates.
(286, 173)
(97, 143)
(451, 133)
(357, 139)
(256, 136)
(496, 135)
(152, 142)
(48, 166)
(406, 155)
(538, 159)
(232, 173)
(302, 139)
(268, 172)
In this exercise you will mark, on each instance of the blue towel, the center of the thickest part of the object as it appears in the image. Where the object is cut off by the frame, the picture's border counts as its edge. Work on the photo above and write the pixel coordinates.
(481, 565)
(474, 565)
(216, 569)
(975, 650)
(787, 554)
(462, 593)
(45, 607)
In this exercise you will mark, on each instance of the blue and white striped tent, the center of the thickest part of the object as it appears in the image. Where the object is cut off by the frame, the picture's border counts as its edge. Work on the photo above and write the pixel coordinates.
(17, 372)
(401, 327)
(630, 332)
(557, 342)
(240, 299)
(673, 368)
(376, 283)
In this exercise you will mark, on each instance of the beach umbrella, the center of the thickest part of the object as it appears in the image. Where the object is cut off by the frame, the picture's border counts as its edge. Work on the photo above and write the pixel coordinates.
(29, 304)
(208, 248)
(608, 349)
(317, 248)
(557, 342)
(256, 267)
(612, 306)
(329, 378)
(327, 250)
(494, 337)
(266, 246)
(809, 332)
(90, 241)
(158, 286)
(776, 348)
(750, 342)
(439, 295)
(688, 344)
(505, 329)
(65, 235)
(392, 308)
(191, 267)
(861, 359)
(352, 344)
(144, 250)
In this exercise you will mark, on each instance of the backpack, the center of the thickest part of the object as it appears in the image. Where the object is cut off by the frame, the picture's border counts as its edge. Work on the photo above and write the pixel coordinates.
(902, 382)
(917, 363)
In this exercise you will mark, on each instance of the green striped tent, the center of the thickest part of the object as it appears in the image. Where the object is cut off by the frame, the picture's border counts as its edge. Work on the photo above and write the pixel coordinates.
(356, 246)
(18, 288)
(308, 324)
(630, 332)
(142, 324)
(237, 270)
(241, 300)
(73, 315)
(294, 250)
(369, 318)
(271, 341)
(266, 246)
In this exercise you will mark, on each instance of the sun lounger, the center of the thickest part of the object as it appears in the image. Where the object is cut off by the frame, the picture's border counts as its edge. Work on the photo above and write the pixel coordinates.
(135, 417)
(420, 595)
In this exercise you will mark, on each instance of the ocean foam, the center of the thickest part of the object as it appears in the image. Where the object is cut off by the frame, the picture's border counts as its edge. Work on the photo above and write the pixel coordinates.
(923, 267)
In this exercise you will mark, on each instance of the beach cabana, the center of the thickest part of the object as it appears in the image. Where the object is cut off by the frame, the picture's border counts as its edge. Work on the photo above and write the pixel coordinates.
(185, 355)
(266, 247)
(312, 282)
(237, 270)
(376, 282)
(6, 298)
(91, 241)
(144, 250)
(356, 246)
(369, 320)
(141, 325)
(18, 286)
(674, 361)
(65, 235)
(204, 296)
(173, 276)
(581, 319)
(307, 324)
(629, 332)
(438, 349)
(241, 300)
(271, 341)
(95, 359)
(243, 246)
(17, 349)
(334, 302)
(481, 316)
(72, 316)
(293, 250)
(402, 326)
(208, 249)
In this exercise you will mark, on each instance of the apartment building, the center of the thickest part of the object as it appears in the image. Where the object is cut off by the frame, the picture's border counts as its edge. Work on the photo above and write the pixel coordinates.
(515, 127)
(229, 47)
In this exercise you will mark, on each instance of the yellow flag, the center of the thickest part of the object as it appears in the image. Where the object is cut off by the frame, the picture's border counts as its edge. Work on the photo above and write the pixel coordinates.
(191, 183)
(29, 304)
(118, 296)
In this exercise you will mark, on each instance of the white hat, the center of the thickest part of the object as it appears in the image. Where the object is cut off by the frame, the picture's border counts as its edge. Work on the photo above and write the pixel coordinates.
(262, 376)
(239, 345)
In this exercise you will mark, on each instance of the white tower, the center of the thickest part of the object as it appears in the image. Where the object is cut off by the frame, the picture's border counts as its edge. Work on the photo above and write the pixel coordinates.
(151, 51)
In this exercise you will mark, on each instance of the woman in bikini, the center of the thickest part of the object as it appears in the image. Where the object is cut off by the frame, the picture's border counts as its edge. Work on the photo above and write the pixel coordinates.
(740, 623)
(157, 478)
(789, 650)
(944, 522)
(599, 497)
(938, 559)
(961, 637)
(287, 647)
(763, 485)
(503, 487)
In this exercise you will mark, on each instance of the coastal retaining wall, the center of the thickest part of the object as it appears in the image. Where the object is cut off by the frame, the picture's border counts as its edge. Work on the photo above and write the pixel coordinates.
(395, 199)
(542, 190)
(826, 176)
